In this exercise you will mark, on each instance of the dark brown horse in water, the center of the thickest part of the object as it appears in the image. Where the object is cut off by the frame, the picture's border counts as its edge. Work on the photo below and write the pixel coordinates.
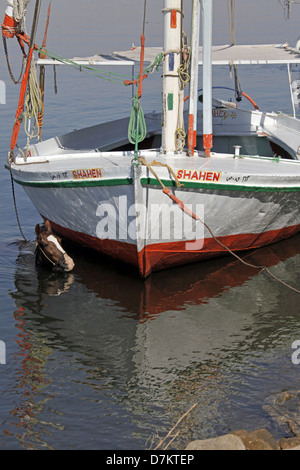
(49, 250)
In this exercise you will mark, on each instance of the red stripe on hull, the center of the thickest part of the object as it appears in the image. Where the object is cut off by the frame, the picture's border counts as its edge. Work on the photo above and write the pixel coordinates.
(159, 256)
(166, 255)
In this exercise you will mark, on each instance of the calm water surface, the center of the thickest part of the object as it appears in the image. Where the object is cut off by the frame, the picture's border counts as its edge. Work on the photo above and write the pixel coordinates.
(99, 359)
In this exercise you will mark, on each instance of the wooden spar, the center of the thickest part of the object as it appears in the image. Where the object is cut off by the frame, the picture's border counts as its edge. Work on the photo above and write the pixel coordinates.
(24, 83)
(192, 132)
(171, 84)
(206, 24)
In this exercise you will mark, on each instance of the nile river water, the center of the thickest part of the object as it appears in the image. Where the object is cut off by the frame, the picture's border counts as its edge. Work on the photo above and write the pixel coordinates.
(99, 359)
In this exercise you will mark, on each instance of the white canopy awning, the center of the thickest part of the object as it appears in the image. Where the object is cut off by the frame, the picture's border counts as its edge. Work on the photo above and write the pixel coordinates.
(259, 54)
(227, 55)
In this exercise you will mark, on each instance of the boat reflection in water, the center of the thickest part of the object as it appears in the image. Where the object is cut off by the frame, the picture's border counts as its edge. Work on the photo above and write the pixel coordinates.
(107, 360)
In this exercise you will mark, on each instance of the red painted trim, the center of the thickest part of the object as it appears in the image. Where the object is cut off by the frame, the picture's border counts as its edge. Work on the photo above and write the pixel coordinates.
(207, 143)
(174, 19)
(140, 88)
(9, 26)
(165, 255)
(194, 139)
(191, 134)
(160, 256)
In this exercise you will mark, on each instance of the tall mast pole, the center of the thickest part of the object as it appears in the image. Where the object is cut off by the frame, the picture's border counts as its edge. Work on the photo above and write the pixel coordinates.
(171, 83)
(206, 23)
(192, 129)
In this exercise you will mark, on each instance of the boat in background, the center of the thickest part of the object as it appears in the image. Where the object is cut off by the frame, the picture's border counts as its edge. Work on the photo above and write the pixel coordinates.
(144, 191)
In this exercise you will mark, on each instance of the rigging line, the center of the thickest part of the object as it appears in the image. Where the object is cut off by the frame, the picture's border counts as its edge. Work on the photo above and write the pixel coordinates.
(262, 268)
(16, 81)
(251, 265)
(137, 114)
(231, 16)
(144, 20)
(85, 68)
(231, 8)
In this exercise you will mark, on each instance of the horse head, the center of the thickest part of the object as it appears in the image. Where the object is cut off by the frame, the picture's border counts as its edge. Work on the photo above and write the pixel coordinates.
(49, 249)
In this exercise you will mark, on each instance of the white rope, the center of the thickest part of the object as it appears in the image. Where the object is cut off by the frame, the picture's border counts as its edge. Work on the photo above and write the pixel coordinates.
(33, 103)
(20, 9)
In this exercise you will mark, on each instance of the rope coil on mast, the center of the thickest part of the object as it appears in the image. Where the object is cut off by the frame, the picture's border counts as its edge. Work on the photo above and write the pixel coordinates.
(184, 77)
(20, 10)
(34, 108)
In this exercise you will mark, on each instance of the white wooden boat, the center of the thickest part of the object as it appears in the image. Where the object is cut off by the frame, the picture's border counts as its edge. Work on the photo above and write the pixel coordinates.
(155, 205)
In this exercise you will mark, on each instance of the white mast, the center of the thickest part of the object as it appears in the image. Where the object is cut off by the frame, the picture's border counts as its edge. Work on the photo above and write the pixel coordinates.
(192, 131)
(171, 83)
(206, 23)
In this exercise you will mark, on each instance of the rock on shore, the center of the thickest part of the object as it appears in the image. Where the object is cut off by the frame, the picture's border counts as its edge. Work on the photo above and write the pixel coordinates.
(260, 439)
(283, 408)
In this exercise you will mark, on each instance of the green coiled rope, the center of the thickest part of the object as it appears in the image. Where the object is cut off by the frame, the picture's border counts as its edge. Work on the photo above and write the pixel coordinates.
(137, 129)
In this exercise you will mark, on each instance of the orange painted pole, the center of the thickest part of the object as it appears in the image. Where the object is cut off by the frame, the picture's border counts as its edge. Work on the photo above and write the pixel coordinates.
(20, 109)
(140, 88)
(207, 143)
(190, 135)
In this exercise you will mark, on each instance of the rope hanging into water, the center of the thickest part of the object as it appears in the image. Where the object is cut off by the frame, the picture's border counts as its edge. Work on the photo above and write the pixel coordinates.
(15, 205)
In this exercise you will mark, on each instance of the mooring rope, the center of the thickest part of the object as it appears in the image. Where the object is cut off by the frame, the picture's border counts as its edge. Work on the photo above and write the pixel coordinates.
(144, 162)
(15, 205)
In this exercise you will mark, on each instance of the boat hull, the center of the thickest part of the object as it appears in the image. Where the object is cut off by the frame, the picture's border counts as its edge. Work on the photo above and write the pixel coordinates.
(217, 205)
(168, 255)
